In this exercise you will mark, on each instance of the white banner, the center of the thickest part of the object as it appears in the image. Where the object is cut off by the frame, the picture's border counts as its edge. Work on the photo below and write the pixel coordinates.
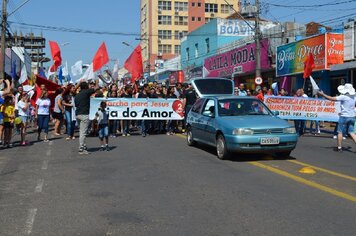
(139, 108)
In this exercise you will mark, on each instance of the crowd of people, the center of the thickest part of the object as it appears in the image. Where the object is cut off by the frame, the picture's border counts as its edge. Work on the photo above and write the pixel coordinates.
(70, 106)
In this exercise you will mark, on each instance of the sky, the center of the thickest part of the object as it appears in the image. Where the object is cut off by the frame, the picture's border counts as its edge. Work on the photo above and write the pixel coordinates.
(123, 16)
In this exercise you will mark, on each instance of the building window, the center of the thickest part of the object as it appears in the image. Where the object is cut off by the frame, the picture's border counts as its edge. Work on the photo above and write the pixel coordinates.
(165, 48)
(211, 7)
(187, 52)
(193, 18)
(207, 45)
(181, 6)
(180, 34)
(226, 9)
(164, 34)
(181, 20)
(177, 49)
(199, 18)
(199, 4)
(164, 5)
(196, 50)
(164, 20)
(193, 4)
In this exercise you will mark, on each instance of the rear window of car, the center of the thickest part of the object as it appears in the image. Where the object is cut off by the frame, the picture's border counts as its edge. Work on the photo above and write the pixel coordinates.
(214, 86)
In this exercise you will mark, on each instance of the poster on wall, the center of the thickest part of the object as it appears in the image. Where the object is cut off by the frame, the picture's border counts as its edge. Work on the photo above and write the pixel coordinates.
(327, 50)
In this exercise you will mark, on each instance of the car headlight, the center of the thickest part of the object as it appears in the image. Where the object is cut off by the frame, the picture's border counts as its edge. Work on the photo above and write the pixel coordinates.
(290, 130)
(242, 131)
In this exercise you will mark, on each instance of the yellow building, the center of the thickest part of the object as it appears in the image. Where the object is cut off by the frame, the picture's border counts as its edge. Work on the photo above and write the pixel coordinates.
(164, 23)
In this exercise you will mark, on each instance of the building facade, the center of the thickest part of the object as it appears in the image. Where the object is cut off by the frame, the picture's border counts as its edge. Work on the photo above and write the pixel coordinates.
(164, 23)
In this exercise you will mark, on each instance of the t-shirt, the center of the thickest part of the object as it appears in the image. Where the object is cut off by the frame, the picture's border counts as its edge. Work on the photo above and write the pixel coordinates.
(43, 106)
(242, 93)
(142, 95)
(8, 111)
(68, 99)
(82, 101)
(124, 95)
(190, 97)
(1, 102)
(347, 105)
(56, 107)
(23, 112)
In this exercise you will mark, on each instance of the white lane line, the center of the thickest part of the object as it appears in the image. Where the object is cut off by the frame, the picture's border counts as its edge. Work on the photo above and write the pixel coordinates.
(44, 165)
(39, 186)
(48, 153)
(30, 220)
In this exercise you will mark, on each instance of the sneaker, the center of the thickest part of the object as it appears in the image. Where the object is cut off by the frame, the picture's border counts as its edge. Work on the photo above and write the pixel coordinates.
(168, 133)
(143, 134)
(128, 135)
(339, 149)
(107, 148)
(343, 138)
(83, 152)
(68, 138)
(85, 147)
(335, 137)
(123, 135)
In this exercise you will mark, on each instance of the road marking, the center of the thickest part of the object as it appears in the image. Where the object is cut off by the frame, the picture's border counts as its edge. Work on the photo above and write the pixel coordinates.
(181, 135)
(48, 153)
(324, 170)
(30, 220)
(39, 186)
(44, 165)
(306, 182)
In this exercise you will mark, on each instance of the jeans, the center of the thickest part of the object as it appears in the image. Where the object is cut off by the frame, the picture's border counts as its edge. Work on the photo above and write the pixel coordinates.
(126, 126)
(103, 131)
(144, 126)
(42, 122)
(84, 122)
(346, 125)
(317, 127)
(70, 123)
(299, 126)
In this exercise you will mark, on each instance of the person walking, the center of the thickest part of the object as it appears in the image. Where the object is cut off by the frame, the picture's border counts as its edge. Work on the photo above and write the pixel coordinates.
(82, 104)
(102, 117)
(43, 105)
(347, 119)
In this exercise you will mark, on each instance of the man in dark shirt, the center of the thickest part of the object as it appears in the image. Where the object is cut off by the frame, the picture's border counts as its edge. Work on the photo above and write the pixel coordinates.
(189, 98)
(82, 104)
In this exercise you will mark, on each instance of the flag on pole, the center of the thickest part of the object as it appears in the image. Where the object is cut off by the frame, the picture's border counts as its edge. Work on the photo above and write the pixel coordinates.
(134, 64)
(101, 58)
(60, 75)
(89, 73)
(115, 70)
(23, 77)
(42, 73)
(77, 68)
(65, 70)
(308, 66)
(56, 56)
(13, 70)
(314, 86)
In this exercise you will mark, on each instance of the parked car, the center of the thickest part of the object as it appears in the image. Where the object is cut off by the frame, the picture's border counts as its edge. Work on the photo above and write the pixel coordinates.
(236, 124)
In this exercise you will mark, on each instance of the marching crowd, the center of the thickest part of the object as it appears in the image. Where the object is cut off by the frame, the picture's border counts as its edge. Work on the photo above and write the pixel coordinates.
(69, 107)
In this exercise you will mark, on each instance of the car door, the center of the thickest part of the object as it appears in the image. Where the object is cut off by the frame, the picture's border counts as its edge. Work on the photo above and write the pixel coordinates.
(208, 121)
(194, 118)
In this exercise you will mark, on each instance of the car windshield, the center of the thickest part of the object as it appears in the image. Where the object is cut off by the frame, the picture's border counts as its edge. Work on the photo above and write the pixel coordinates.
(242, 107)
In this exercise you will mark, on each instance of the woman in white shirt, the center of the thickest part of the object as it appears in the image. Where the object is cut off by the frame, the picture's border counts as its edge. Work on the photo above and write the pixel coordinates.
(23, 106)
(43, 105)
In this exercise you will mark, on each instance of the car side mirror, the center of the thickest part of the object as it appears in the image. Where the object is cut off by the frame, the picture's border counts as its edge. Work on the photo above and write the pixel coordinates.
(275, 113)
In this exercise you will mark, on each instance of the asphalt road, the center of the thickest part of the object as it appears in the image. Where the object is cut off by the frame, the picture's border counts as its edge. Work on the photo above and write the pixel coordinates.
(159, 186)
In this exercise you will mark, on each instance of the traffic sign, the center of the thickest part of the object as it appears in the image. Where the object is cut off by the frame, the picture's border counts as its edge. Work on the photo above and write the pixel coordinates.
(258, 80)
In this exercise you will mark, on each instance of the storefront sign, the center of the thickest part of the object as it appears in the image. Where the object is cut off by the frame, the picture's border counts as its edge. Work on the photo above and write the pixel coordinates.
(239, 28)
(327, 50)
(300, 108)
(237, 61)
(139, 109)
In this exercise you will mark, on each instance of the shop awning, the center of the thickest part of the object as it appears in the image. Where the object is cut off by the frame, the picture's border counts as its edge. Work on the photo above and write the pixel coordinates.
(344, 66)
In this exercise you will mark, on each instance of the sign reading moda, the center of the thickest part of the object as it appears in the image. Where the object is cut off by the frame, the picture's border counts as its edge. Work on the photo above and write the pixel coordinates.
(139, 109)
(237, 61)
(300, 108)
(327, 49)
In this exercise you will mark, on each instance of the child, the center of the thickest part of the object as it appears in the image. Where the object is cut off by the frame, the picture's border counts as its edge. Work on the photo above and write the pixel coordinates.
(23, 106)
(103, 120)
(9, 116)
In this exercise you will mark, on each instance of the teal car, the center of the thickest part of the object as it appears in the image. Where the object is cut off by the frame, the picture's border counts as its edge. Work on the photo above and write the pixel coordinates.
(235, 124)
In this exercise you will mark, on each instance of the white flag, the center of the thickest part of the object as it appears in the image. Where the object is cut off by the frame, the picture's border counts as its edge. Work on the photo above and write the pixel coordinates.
(65, 71)
(115, 70)
(23, 77)
(314, 85)
(89, 73)
(77, 68)
(205, 72)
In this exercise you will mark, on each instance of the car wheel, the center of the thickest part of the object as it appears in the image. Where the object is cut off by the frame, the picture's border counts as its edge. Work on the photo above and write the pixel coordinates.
(221, 149)
(283, 155)
(190, 139)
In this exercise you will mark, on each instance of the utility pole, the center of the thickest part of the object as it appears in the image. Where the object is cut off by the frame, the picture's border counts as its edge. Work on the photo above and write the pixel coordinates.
(3, 39)
(258, 39)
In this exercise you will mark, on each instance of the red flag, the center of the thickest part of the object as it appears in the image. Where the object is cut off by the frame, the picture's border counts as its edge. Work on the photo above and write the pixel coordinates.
(56, 55)
(101, 57)
(50, 86)
(308, 66)
(134, 64)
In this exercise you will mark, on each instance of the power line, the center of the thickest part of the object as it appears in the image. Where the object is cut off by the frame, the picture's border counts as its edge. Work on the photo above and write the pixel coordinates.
(310, 6)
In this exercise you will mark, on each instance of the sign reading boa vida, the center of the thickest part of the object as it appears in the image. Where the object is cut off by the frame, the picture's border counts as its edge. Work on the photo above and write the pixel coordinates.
(139, 108)
(300, 108)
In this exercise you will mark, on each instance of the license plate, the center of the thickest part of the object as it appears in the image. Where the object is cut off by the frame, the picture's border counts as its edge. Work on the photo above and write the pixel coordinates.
(269, 141)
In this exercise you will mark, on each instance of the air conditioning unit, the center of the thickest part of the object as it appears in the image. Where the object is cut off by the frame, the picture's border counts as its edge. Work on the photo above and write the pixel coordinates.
(176, 12)
(212, 15)
(159, 54)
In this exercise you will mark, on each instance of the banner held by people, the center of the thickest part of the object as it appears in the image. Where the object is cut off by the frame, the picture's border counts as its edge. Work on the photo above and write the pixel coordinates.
(139, 109)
